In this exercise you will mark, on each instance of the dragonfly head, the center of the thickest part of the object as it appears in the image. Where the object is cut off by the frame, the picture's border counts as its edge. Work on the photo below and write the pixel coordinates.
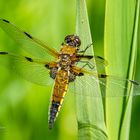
(73, 40)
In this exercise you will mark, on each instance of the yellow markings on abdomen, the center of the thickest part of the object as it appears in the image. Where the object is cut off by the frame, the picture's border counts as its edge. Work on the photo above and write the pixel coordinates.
(59, 91)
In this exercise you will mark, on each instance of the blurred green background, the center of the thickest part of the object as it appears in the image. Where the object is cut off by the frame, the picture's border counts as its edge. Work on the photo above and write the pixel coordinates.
(23, 105)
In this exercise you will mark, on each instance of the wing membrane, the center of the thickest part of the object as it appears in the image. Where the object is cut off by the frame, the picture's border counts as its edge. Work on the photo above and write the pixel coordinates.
(29, 43)
(33, 70)
(111, 86)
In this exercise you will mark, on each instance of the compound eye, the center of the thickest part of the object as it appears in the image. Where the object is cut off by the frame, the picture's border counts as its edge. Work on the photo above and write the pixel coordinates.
(78, 41)
(73, 40)
(68, 38)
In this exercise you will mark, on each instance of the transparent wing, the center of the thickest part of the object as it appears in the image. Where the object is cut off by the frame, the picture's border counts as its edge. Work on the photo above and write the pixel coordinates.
(110, 86)
(29, 43)
(82, 87)
(92, 62)
(101, 63)
(115, 85)
(33, 70)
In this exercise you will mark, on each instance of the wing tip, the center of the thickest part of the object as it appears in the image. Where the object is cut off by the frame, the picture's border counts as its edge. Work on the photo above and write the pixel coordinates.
(5, 20)
(135, 82)
(3, 53)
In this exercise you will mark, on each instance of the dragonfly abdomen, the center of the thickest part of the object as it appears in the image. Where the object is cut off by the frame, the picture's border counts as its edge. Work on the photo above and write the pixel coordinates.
(54, 109)
(59, 91)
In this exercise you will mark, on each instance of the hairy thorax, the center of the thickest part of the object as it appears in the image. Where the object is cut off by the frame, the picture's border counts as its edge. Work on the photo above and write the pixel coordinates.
(65, 62)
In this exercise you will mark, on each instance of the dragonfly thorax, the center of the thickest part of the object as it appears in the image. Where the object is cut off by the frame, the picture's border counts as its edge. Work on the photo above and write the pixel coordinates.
(64, 61)
(64, 57)
(54, 71)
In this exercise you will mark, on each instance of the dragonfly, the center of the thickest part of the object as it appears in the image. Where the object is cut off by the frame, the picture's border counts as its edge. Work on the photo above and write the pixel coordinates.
(61, 66)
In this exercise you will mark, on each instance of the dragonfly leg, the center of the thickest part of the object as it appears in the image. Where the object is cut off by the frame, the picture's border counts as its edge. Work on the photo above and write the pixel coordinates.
(87, 63)
(83, 51)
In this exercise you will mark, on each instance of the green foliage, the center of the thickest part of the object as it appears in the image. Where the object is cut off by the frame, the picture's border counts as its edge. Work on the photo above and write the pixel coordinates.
(88, 108)
(121, 36)
(24, 106)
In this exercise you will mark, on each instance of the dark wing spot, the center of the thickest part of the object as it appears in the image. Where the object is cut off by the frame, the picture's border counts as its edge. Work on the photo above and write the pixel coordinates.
(85, 56)
(5, 20)
(88, 56)
(3, 53)
(80, 74)
(134, 82)
(29, 59)
(47, 66)
(28, 35)
(100, 57)
(103, 76)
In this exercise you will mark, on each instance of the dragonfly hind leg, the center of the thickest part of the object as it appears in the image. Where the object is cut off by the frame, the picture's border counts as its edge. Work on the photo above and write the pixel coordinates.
(87, 63)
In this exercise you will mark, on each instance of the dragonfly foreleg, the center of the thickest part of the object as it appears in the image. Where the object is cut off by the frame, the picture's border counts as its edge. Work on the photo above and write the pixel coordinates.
(83, 51)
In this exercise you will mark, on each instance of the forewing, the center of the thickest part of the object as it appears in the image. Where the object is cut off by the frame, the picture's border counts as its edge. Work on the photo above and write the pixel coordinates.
(29, 43)
(33, 70)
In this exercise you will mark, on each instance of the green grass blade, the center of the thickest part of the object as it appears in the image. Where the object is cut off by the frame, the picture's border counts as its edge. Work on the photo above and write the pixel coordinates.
(121, 52)
(90, 114)
(124, 133)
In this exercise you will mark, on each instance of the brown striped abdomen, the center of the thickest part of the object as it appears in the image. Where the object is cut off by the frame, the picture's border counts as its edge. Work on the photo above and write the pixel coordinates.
(59, 91)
